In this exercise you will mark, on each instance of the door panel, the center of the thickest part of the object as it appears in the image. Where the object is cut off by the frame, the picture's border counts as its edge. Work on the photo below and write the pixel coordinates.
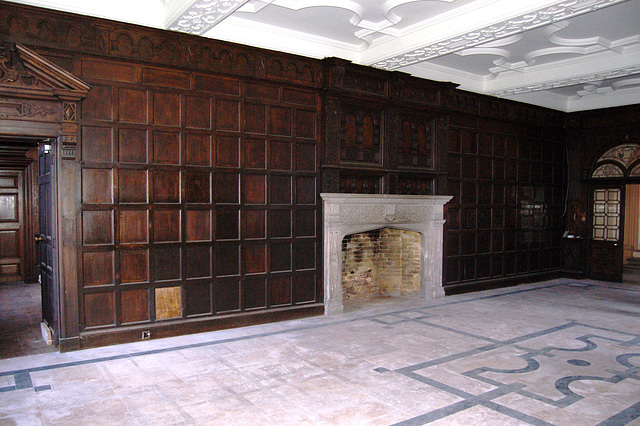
(11, 226)
(607, 233)
(46, 241)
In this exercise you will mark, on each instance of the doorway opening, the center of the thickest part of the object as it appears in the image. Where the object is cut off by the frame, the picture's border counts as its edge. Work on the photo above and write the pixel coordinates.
(614, 247)
(21, 292)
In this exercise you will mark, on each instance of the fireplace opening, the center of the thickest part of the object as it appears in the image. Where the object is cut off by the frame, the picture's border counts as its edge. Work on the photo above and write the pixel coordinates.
(348, 214)
(380, 263)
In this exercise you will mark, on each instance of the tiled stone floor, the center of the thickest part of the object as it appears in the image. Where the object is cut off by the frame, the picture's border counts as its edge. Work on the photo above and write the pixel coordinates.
(563, 352)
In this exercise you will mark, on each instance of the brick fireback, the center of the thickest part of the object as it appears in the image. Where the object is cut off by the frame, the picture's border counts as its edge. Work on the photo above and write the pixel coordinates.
(382, 262)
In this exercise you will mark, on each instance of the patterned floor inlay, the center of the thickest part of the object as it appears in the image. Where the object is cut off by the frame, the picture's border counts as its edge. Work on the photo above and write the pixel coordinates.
(559, 352)
(551, 375)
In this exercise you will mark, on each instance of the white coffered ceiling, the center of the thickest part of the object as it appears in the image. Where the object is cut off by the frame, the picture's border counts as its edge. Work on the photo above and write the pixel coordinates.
(568, 55)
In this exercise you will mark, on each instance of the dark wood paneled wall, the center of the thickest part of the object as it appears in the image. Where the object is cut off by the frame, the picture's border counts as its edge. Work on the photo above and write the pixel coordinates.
(198, 195)
(507, 175)
(503, 162)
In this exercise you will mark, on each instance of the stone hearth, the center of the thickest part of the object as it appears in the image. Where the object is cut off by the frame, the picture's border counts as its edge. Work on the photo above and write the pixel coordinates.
(346, 214)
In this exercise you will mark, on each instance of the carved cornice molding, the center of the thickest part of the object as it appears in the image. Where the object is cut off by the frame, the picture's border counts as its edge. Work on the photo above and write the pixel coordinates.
(203, 15)
(583, 79)
(548, 15)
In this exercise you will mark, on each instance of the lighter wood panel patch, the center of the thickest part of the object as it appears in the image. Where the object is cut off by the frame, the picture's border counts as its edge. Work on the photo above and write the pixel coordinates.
(168, 302)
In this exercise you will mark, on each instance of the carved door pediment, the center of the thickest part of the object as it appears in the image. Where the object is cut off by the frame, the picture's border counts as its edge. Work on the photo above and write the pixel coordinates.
(25, 74)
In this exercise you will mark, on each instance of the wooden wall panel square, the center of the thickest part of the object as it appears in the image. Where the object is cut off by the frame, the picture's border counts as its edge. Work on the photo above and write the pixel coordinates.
(97, 268)
(134, 266)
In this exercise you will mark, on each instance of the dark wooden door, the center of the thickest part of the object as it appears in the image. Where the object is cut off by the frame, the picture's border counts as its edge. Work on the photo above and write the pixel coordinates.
(46, 241)
(11, 226)
(606, 248)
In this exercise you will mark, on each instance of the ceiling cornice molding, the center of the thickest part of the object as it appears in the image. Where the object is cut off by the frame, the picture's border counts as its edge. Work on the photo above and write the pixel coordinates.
(583, 79)
(530, 20)
(202, 15)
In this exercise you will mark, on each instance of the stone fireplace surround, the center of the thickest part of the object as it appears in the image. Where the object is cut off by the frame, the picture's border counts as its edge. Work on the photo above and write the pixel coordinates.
(346, 214)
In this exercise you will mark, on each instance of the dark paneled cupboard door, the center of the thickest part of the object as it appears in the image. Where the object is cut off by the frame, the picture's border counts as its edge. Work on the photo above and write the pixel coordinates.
(46, 241)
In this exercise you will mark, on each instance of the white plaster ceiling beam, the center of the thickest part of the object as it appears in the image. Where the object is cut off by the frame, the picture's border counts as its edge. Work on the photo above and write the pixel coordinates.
(497, 48)
(276, 38)
(199, 16)
(389, 5)
(254, 6)
(254, 33)
(367, 28)
(629, 82)
(352, 6)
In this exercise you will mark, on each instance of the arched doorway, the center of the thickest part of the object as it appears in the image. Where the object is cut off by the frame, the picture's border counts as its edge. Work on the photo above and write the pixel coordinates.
(612, 175)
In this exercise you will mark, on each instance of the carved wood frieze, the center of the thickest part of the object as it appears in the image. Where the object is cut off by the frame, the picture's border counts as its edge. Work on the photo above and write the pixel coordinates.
(24, 109)
(345, 76)
(361, 183)
(362, 83)
(461, 101)
(417, 90)
(485, 106)
(414, 185)
(94, 36)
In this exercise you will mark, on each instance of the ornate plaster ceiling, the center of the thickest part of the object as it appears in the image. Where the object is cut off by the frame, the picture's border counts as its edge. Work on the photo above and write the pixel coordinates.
(568, 55)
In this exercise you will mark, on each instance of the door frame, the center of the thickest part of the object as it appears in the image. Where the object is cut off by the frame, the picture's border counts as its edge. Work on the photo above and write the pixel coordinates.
(592, 186)
(43, 100)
